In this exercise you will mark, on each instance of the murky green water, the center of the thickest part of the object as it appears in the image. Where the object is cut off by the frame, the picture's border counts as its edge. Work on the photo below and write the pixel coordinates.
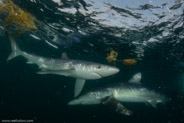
(149, 31)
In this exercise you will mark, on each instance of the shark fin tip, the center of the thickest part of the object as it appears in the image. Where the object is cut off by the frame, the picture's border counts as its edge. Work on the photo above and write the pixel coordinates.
(79, 84)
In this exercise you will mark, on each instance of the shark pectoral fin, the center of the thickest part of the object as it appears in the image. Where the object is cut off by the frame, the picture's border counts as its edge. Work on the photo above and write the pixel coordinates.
(79, 84)
(136, 78)
(152, 103)
(113, 104)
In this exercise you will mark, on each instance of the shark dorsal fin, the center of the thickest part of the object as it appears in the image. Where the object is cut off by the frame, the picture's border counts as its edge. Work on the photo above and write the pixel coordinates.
(136, 78)
(64, 56)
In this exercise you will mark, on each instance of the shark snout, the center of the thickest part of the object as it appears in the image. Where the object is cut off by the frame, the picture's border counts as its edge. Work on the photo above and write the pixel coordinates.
(115, 70)
(73, 102)
(111, 71)
(105, 71)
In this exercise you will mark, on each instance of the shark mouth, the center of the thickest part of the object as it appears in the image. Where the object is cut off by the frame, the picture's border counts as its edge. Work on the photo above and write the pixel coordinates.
(99, 74)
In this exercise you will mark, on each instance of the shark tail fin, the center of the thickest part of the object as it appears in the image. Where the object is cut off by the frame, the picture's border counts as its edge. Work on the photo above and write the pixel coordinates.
(79, 84)
(15, 50)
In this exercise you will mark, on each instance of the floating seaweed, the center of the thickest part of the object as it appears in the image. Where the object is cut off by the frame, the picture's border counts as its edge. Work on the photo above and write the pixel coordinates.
(112, 57)
(16, 21)
(129, 62)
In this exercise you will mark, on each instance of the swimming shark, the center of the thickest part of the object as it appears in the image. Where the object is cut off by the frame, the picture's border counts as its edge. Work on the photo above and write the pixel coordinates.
(113, 96)
(81, 70)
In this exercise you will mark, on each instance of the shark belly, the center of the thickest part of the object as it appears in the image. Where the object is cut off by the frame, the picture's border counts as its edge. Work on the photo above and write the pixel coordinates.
(85, 75)
(91, 102)
(131, 99)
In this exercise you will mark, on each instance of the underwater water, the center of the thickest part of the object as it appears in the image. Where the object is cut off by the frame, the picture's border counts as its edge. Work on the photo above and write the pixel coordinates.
(150, 32)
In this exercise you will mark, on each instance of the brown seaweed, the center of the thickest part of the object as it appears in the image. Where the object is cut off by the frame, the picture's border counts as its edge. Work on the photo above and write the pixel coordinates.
(112, 57)
(17, 20)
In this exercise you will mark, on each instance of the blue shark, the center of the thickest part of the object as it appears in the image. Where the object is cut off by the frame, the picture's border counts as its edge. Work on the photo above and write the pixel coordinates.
(81, 70)
(114, 96)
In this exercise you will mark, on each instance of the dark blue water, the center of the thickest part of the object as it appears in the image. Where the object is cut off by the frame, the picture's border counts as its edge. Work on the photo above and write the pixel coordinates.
(86, 30)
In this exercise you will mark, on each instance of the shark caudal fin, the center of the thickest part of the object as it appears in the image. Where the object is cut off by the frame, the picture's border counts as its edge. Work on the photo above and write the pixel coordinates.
(15, 50)
(79, 84)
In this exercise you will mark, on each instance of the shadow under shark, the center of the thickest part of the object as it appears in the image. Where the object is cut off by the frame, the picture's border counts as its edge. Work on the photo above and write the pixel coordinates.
(125, 92)
(81, 70)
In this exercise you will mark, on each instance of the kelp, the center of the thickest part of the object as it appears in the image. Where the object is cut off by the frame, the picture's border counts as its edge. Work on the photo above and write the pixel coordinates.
(16, 20)
(112, 57)
(129, 61)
